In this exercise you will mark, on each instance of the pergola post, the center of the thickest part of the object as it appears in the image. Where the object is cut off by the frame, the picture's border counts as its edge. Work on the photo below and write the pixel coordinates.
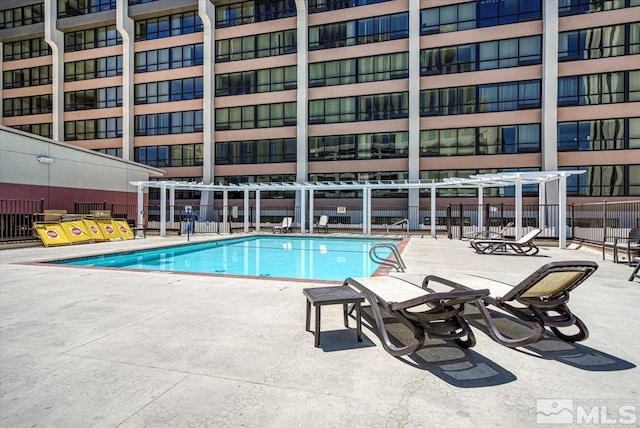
(433, 210)
(172, 204)
(303, 209)
(518, 206)
(562, 211)
(163, 210)
(311, 209)
(366, 211)
(140, 219)
(246, 209)
(481, 208)
(257, 210)
(225, 211)
(542, 209)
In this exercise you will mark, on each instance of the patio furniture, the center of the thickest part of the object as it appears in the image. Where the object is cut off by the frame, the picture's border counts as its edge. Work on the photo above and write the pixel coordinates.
(635, 273)
(523, 246)
(489, 234)
(336, 295)
(284, 226)
(424, 311)
(540, 300)
(323, 223)
(629, 244)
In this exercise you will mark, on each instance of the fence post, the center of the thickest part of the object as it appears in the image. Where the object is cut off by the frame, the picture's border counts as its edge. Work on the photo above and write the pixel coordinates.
(573, 222)
(461, 222)
(487, 218)
(604, 227)
(448, 221)
(41, 205)
(502, 222)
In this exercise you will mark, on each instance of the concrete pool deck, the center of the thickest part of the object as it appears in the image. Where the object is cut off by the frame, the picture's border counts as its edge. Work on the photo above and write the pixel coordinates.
(91, 347)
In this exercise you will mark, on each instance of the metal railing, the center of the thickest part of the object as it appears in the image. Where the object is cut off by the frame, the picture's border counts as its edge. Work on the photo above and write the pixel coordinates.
(396, 262)
(596, 223)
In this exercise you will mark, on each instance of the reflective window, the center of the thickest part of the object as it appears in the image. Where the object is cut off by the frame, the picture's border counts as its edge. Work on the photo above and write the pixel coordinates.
(256, 46)
(592, 43)
(93, 129)
(24, 106)
(91, 38)
(176, 155)
(67, 8)
(93, 99)
(167, 26)
(169, 58)
(248, 12)
(361, 31)
(168, 90)
(599, 180)
(25, 77)
(359, 70)
(22, 49)
(256, 151)
(384, 145)
(256, 81)
(605, 88)
(93, 68)
(21, 16)
(256, 116)
(359, 108)
(179, 122)
(575, 7)
(42, 129)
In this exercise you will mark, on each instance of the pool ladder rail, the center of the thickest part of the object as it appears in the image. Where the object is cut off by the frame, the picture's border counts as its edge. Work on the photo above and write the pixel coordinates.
(404, 223)
(396, 262)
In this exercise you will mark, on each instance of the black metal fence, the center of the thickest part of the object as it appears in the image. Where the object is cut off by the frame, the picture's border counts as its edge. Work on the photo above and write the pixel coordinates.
(16, 218)
(598, 223)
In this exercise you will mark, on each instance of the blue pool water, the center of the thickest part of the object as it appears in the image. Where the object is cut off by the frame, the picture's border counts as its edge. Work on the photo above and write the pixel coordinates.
(318, 258)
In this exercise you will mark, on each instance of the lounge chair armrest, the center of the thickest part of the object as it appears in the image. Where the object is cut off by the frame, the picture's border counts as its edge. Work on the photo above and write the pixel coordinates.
(444, 281)
(454, 297)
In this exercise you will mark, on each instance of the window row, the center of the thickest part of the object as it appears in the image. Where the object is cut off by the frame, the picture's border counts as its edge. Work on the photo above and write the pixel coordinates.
(383, 176)
(23, 106)
(359, 70)
(68, 8)
(247, 12)
(360, 31)
(507, 96)
(169, 156)
(167, 26)
(604, 88)
(93, 68)
(386, 145)
(91, 38)
(478, 14)
(256, 81)
(256, 46)
(21, 16)
(256, 151)
(440, 175)
(189, 88)
(112, 151)
(24, 77)
(135, 2)
(604, 180)
(359, 108)
(169, 58)
(90, 99)
(480, 141)
(264, 194)
(600, 42)
(481, 56)
(575, 7)
(316, 6)
(256, 116)
(600, 134)
(41, 129)
(93, 129)
(154, 193)
(30, 48)
(179, 122)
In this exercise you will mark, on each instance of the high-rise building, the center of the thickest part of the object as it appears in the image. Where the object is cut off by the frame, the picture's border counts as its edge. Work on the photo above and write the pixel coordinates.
(335, 90)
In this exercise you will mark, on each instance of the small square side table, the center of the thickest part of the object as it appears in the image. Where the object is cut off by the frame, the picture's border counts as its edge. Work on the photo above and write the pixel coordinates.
(336, 295)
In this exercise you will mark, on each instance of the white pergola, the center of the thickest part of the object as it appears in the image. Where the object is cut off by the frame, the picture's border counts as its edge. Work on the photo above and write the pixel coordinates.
(306, 191)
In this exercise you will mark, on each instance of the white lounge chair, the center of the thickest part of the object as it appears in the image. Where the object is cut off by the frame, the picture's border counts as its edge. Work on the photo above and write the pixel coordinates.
(284, 226)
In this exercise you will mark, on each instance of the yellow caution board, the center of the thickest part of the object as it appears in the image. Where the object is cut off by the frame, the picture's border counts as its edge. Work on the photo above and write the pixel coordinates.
(107, 228)
(51, 234)
(93, 229)
(76, 231)
(122, 227)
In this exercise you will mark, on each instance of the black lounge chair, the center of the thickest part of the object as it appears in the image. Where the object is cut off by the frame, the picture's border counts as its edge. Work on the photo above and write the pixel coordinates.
(523, 246)
(540, 300)
(490, 234)
(421, 310)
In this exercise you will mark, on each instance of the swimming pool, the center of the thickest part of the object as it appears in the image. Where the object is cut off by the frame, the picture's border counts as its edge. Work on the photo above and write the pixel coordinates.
(316, 258)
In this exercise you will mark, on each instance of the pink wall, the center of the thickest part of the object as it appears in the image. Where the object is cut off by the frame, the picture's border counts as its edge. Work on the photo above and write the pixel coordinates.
(63, 198)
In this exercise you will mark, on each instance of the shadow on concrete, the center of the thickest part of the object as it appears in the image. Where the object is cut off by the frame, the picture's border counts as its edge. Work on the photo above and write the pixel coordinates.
(576, 355)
